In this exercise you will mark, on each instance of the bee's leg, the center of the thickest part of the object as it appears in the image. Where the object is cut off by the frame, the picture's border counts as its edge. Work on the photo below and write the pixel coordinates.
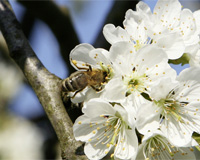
(85, 68)
(76, 93)
(90, 68)
(97, 88)
(65, 97)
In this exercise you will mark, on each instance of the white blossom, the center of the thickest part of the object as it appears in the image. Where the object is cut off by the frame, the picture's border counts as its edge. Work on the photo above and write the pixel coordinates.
(104, 127)
(135, 73)
(174, 108)
(168, 27)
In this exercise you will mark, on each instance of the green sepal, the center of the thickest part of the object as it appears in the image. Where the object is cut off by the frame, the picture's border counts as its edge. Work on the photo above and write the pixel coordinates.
(196, 137)
(184, 59)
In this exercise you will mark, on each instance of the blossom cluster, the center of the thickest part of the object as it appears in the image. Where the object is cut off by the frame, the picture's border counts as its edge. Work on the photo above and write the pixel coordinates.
(142, 109)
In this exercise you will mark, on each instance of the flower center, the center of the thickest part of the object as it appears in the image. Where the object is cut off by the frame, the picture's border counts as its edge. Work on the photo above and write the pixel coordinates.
(171, 107)
(134, 82)
(108, 70)
(158, 147)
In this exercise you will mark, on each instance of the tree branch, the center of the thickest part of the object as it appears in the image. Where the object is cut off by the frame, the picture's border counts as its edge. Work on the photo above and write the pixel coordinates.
(59, 21)
(46, 85)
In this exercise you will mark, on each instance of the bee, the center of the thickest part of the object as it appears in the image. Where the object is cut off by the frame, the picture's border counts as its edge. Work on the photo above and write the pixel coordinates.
(79, 80)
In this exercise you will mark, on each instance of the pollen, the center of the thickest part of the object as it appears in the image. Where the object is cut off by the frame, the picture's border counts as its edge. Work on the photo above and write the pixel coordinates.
(123, 149)
(98, 128)
(112, 155)
(131, 51)
(108, 145)
(89, 140)
(74, 62)
(94, 132)
(79, 122)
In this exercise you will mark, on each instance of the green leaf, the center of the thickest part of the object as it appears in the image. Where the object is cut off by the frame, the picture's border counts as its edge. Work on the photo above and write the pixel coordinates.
(182, 60)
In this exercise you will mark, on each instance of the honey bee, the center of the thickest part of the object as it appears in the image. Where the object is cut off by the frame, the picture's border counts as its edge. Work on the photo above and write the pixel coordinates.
(79, 80)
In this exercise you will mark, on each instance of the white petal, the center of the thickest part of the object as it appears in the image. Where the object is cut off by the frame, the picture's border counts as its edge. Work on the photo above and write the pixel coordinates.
(96, 107)
(162, 89)
(143, 7)
(172, 44)
(100, 55)
(189, 155)
(115, 34)
(82, 128)
(169, 8)
(188, 27)
(127, 145)
(191, 73)
(177, 134)
(114, 91)
(149, 56)
(122, 55)
(96, 152)
(196, 15)
(132, 103)
(147, 118)
(81, 55)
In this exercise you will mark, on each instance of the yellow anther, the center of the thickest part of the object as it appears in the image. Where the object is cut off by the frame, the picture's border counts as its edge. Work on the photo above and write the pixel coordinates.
(74, 62)
(94, 132)
(79, 122)
(108, 145)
